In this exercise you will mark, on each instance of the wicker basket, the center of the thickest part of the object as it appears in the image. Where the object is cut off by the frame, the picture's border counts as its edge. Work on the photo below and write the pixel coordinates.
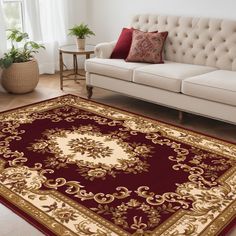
(21, 77)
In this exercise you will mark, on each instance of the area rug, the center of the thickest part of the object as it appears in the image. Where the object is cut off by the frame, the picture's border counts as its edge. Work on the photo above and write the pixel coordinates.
(73, 167)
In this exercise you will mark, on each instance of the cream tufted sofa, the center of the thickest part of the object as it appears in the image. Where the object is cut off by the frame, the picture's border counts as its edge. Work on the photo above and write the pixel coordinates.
(199, 73)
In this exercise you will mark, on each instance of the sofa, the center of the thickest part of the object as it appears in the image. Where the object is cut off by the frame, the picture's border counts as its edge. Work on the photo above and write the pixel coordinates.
(199, 73)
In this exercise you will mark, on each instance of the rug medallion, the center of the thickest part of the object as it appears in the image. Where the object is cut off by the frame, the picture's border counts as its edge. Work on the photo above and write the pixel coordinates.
(73, 167)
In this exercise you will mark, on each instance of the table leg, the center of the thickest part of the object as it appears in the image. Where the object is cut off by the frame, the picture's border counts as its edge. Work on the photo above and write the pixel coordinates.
(75, 65)
(61, 69)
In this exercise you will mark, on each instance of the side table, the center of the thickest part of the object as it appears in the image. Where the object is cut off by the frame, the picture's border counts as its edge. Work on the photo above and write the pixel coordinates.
(73, 50)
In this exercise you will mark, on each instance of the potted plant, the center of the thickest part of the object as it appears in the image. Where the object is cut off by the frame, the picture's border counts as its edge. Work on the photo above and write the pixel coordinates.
(81, 32)
(20, 70)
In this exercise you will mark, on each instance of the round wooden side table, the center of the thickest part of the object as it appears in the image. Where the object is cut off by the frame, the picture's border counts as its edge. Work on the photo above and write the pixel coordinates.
(73, 50)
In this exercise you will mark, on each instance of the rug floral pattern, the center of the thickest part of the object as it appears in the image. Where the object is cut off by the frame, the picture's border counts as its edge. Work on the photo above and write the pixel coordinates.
(75, 167)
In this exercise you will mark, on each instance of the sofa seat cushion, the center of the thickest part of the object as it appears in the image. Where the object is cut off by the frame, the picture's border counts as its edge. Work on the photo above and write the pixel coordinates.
(218, 86)
(168, 76)
(116, 68)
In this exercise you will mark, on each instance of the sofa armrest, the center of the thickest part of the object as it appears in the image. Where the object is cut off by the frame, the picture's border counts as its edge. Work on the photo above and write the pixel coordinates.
(104, 50)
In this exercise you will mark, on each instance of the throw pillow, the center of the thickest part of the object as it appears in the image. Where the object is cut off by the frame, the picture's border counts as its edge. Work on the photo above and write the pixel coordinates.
(147, 47)
(123, 44)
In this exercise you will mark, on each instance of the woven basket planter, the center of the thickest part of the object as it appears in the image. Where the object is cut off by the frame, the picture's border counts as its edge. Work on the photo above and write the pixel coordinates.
(21, 77)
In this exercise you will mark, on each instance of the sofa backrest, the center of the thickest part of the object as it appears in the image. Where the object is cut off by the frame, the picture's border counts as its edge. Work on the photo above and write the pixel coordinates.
(201, 41)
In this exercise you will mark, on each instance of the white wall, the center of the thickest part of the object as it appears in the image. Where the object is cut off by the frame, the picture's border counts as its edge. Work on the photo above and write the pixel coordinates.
(107, 17)
(78, 11)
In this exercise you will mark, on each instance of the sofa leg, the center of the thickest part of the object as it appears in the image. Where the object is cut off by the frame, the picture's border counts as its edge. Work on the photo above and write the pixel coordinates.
(181, 116)
(89, 91)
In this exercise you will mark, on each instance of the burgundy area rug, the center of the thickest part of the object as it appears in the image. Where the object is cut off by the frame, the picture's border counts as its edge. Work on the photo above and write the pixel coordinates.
(73, 167)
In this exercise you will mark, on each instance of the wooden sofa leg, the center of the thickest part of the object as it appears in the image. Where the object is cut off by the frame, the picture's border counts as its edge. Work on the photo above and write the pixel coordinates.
(181, 116)
(89, 91)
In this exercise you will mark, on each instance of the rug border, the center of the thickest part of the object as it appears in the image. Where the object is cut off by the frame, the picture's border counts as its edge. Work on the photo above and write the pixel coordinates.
(133, 113)
(16, 210)
(227, 229)
(160, 121)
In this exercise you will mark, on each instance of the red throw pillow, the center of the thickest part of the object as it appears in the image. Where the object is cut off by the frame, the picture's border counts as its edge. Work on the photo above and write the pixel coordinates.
(147, 47)
(123, 44)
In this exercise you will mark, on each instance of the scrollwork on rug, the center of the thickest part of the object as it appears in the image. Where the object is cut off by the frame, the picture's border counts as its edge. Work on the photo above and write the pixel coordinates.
(80, 168)
(156, 199)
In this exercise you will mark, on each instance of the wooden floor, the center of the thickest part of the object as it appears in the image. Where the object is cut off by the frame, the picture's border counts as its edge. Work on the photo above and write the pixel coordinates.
(11, 224)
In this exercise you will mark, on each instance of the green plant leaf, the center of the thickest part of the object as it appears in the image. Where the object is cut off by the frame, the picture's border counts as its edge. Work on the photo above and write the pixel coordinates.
(81, 31)
(17, 55)
(16, 35)
(7, 62)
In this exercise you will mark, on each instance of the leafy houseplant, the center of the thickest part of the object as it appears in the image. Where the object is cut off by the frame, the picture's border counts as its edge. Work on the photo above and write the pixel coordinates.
(20, 69)
(81, 32)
